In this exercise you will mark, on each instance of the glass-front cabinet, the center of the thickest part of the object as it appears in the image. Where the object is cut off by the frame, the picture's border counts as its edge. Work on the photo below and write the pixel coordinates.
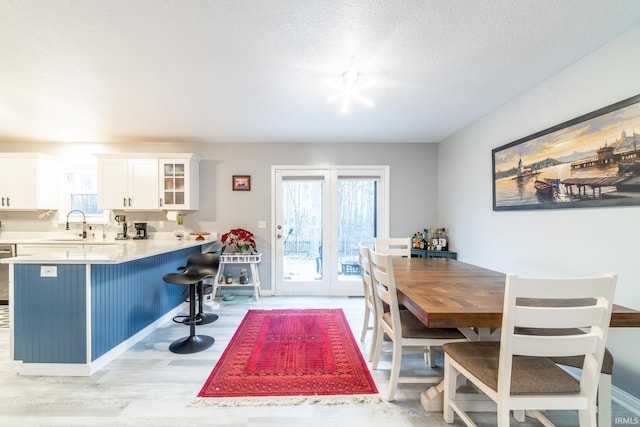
(179, 182)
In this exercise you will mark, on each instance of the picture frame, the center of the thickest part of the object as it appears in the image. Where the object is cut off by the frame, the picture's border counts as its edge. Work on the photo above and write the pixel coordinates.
(241, 183)
(590, 161)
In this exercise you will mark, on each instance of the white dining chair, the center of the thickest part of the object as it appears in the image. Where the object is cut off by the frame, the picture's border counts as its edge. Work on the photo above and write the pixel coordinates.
(518, 372)
(401, 326)
(394, 246)
(370, 321)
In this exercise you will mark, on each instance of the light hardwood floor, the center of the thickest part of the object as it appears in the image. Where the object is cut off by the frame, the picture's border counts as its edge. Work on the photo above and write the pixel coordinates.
(150, 386)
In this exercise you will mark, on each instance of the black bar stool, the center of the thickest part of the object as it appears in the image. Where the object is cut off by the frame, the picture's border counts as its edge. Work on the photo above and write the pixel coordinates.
(198, 268)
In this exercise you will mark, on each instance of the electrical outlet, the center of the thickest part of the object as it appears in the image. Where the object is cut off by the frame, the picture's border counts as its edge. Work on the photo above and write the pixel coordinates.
(262, 224)
(48, 271)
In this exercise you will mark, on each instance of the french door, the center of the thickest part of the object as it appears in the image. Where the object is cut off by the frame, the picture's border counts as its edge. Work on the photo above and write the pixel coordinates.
(320, 216)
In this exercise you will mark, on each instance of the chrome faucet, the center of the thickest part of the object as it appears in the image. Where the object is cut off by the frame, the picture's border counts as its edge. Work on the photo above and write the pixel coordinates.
(84, 222)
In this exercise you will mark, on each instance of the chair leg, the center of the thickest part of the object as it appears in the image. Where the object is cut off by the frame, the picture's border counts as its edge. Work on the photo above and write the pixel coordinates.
(587, 417)
(396, 362)
(604, 401)
(450, 385)
(365, 324)
(431, 356)
(519, 415)
(374, 339)
(378, 348)
(503, 415)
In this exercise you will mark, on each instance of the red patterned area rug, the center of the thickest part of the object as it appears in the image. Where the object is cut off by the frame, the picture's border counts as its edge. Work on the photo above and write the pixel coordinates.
(290, 357)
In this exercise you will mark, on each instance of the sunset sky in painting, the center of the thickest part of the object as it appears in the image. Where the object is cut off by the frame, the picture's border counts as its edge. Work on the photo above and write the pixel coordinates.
(585, 137)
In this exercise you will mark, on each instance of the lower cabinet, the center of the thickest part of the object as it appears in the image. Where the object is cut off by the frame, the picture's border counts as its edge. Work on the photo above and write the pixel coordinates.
(422, 253)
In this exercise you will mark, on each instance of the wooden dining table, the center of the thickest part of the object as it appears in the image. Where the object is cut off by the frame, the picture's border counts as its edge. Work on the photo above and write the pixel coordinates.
(446, 293)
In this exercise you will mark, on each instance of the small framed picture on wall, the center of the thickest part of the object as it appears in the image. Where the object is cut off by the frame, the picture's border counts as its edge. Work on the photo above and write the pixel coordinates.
(241, 182)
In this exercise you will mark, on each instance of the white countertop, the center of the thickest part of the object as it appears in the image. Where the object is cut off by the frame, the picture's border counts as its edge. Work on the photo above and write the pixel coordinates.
(100, 251)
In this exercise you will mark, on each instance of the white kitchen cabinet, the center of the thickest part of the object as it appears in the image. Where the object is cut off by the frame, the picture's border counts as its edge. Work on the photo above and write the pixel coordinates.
(179, 177)
(28, 182)
(128, 183)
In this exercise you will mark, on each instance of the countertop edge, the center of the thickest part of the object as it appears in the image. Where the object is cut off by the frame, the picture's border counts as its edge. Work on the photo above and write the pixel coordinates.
(108, 254)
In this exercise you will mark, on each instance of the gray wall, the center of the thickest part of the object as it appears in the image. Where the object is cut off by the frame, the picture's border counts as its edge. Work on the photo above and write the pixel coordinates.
(412, 167)
(549, 242)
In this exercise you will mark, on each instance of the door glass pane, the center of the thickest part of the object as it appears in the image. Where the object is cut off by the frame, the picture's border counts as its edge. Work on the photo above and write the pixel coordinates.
(356, 222)
(302, 230)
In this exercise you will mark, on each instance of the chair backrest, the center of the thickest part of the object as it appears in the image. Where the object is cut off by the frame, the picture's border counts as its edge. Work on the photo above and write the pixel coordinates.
(536, 303)
(384, 285)
(394, 246)
(365, 271)
(204, 264)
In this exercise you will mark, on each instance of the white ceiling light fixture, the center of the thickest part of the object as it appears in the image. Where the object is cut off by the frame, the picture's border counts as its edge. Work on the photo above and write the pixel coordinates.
(350, 88)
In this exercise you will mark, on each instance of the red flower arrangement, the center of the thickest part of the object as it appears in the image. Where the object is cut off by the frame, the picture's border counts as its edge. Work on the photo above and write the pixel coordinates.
(239, 240)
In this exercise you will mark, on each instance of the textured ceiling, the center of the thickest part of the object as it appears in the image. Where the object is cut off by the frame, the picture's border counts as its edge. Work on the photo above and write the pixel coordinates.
(262, 70)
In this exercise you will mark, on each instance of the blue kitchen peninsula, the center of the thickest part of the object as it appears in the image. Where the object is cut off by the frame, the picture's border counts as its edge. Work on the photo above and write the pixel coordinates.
(75, 310)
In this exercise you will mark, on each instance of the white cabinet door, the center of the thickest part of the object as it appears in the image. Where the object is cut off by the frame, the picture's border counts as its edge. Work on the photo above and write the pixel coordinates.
(113, 182)
(179, 183)
(143, 184)
(22, 191)
(129, 184)
(28, 182)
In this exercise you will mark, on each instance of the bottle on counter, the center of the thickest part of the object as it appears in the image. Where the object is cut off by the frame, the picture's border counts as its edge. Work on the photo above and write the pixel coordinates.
(434, 239)
(443, 241)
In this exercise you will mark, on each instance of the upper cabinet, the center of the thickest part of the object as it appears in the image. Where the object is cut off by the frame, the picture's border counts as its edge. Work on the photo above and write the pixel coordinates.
(28, 182)
(179, 177)
(128, 183)
(148, 182)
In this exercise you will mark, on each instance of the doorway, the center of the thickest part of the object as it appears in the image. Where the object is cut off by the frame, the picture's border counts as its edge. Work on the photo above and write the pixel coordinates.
(320, 216)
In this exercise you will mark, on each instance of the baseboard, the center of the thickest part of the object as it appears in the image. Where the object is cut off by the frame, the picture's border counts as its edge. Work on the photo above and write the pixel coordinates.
(626, 400)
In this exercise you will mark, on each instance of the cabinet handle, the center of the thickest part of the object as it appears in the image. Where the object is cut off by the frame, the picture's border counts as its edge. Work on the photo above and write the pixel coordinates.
(124, 202)
(129, 201)
(8, 203)
(160, 201)
(3, 201)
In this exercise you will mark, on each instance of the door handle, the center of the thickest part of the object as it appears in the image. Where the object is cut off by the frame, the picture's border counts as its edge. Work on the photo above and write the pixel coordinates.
(279, 236)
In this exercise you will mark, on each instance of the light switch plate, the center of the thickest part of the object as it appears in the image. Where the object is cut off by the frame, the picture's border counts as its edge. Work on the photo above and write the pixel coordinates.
(48, 271)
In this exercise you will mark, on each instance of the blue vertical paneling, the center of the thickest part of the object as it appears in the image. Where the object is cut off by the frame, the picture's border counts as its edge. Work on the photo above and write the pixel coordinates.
(50, 314)
(127, 297)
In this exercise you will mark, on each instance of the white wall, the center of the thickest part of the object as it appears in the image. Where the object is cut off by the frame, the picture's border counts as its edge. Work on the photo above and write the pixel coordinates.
(549, 242)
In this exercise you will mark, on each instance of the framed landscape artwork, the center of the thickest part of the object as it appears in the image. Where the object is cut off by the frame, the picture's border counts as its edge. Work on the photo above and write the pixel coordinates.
(590, 161)
(241, 183)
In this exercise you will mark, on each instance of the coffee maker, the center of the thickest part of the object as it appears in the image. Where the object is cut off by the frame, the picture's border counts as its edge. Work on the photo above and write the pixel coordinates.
(121, 233)
(141, 230)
